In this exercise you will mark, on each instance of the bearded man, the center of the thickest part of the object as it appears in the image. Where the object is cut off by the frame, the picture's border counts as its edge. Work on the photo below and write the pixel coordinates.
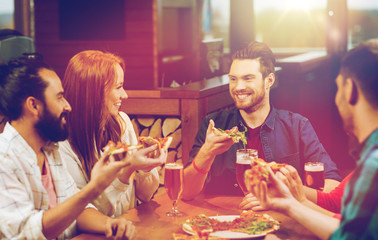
(38, 197)
(278, 135)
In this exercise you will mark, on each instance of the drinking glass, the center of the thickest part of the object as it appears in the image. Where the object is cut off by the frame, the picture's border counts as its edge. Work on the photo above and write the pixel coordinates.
(173, 181)
(314, 175)
(244, 158)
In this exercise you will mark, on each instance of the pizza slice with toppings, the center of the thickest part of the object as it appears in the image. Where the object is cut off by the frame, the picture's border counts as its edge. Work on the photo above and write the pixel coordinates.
(259, 172)
(119, 151)
(234, 133)
(162, 143)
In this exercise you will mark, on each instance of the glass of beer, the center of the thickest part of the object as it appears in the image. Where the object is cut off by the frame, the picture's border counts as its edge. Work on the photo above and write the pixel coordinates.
(173, 181)
(314, 175)
(244, 158)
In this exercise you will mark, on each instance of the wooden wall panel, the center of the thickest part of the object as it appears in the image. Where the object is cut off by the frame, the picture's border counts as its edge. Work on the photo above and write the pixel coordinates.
(137, 48)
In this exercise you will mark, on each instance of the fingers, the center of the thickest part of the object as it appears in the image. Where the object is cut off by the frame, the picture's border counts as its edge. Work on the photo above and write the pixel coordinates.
(108, 229)
(149, 149)
(130, 230)
(105, 156)
(119, 228)
(283, 178)
(294, 174)
(253, 204)
(210, 127)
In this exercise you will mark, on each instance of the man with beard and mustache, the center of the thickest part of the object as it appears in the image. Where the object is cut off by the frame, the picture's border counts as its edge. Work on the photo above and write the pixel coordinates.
(278, 135)
(357, 102)
(38, 197)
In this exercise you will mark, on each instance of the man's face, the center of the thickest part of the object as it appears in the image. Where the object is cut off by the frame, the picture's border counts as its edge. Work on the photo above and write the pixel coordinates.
(52, 124)
(247, 86)
(341, 102)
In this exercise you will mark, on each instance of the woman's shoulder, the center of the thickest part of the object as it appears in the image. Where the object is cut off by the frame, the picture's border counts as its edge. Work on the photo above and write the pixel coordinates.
(125, 119)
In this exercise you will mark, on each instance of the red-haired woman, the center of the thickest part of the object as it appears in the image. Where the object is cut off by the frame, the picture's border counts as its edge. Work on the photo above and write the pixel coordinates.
(93, 85)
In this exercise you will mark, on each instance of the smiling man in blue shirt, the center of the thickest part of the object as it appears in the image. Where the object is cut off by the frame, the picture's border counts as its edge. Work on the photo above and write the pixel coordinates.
(278, 135)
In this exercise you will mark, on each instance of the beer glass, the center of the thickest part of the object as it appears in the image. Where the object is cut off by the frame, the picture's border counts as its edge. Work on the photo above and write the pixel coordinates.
(314, 175)
(244, 158)
(173, 181)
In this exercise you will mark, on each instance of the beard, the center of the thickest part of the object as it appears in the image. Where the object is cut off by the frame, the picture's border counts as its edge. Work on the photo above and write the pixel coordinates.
(253, 102)
(50, 128)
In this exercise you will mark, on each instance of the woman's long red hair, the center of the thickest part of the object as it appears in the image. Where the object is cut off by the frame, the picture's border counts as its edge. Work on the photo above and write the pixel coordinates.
(88, 78)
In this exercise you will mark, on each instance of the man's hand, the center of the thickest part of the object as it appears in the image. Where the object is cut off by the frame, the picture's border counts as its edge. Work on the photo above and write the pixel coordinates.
(119, 228)
(277, 198)
(106, 170)
(292, 180)
(250, 202)
(217, 143)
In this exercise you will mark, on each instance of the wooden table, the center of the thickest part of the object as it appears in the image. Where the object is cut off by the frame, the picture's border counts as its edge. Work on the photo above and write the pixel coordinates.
(152, 223)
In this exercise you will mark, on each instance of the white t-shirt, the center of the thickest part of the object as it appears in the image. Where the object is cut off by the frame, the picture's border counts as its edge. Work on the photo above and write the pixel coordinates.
(117, 197)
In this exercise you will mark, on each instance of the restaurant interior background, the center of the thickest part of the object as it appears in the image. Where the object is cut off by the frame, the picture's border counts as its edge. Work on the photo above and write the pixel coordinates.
(177, 51)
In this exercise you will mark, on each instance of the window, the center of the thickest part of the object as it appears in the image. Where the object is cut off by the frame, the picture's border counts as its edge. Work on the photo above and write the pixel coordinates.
(362, 21)
(216, 21)
(6, 14)
(291, 23)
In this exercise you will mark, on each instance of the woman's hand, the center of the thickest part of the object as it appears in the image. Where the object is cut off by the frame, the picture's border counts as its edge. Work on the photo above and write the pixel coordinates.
(119, 228)
(250, 202)
(140, 161)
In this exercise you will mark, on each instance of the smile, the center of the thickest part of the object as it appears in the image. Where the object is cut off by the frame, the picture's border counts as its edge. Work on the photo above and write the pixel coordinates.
(242, 96)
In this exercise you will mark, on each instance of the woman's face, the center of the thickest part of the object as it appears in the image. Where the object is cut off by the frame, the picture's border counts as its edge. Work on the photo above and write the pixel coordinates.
(114, 97)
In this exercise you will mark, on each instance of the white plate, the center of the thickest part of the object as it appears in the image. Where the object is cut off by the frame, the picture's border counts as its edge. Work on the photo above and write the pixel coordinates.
(226, 234)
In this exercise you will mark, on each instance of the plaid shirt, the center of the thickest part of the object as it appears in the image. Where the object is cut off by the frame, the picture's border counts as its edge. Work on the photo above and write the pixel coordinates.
(359, 207)
(23, 199)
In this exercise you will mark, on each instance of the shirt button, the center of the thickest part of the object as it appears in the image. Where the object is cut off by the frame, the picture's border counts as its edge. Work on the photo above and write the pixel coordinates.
(236, 185)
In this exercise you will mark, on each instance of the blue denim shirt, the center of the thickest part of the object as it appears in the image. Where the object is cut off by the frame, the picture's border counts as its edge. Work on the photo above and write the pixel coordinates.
(286, 138)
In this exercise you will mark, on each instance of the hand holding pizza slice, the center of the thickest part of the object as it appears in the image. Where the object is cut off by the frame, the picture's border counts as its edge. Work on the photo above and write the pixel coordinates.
(162, 143)
(119, 151)
(259, 172)
(234, 133)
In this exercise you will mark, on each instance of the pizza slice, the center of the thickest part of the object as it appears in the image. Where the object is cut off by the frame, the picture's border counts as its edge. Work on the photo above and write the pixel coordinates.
(259, 172)
(162, 143)
(254, 223)
(182, 236)
(234, 133)
(119, 151)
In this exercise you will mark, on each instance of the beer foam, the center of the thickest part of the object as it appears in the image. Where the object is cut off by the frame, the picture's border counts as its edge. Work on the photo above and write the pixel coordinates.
(314, 168)
(173, 166)
(243, 161)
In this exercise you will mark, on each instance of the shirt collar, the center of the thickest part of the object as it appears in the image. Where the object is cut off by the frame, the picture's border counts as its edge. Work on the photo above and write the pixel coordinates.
(368, 144)
(269, 121)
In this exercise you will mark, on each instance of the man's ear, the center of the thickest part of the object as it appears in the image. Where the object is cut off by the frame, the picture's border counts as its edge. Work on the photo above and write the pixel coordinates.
(352, 91)
(33, 106)
(269, 80)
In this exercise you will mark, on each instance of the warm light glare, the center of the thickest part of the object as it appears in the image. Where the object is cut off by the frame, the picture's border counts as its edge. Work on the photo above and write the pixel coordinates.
(287, 5)
(303, 5)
